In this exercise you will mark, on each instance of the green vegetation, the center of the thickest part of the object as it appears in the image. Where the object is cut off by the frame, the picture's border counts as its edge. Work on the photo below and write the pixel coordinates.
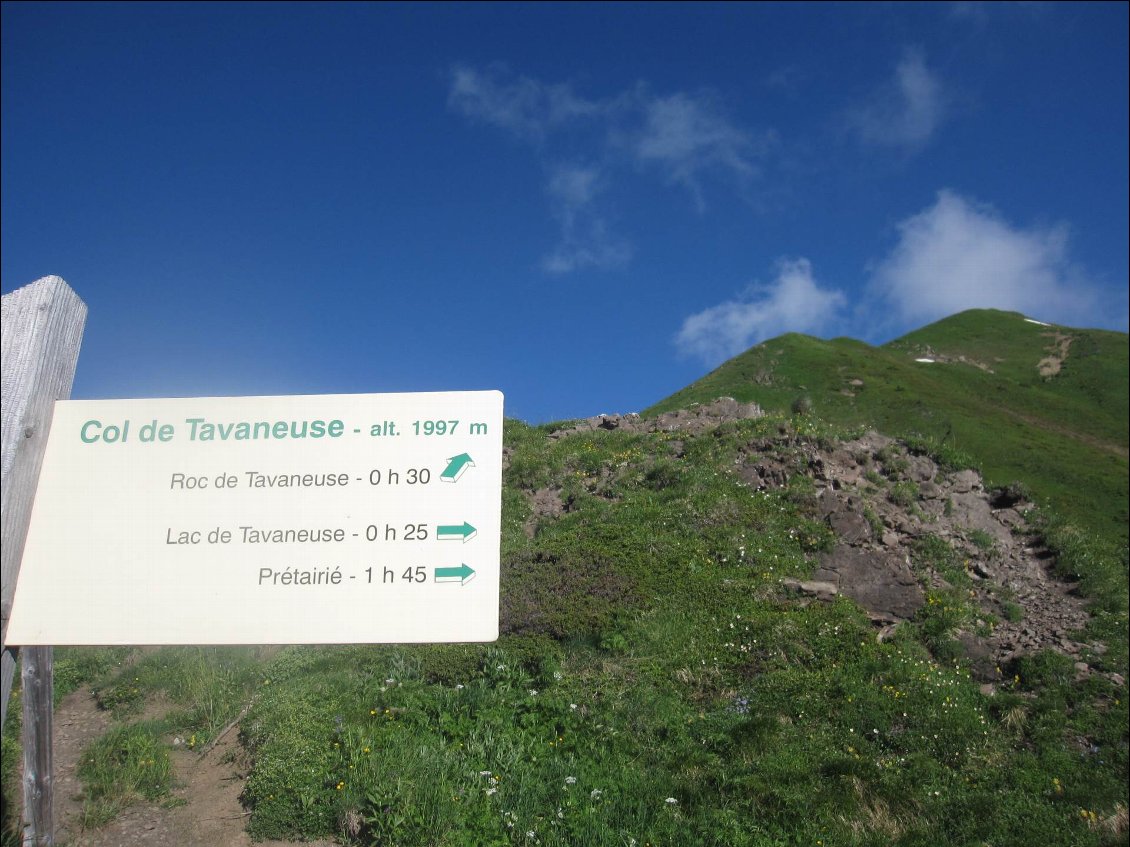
(128, 763)
(654, 682)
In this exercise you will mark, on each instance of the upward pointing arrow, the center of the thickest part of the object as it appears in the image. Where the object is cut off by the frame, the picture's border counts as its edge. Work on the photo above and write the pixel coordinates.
(456, 465)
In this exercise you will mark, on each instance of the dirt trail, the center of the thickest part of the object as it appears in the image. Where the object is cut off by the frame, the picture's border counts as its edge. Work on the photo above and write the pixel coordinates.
(203, 809)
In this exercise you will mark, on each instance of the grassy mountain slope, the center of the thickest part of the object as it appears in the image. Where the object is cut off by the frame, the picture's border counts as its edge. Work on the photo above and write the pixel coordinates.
(657, 681)
(1063, 434)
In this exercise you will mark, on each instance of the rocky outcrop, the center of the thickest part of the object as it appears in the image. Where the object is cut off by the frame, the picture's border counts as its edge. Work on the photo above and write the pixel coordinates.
(888, 507)
(885, 503)
(693, 420)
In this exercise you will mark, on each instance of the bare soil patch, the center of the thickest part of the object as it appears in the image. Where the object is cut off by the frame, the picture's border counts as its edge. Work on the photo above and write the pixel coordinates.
(1057, 353)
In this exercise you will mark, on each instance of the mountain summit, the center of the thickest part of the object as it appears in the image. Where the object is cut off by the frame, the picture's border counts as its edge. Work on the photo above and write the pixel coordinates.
(1030, 401)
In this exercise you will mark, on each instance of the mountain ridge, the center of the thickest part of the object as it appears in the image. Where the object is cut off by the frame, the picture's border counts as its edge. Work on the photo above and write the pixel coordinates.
(972, 382)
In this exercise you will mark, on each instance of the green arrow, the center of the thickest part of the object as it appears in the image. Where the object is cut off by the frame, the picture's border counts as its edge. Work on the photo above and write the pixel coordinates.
(461, 574)
(463, 531)
(455, 467)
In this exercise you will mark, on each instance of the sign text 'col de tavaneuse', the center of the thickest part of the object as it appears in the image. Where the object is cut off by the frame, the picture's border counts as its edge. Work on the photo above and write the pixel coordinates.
(367, 518)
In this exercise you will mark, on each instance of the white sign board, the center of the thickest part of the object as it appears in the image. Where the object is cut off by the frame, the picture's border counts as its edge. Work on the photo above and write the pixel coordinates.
(366, 518)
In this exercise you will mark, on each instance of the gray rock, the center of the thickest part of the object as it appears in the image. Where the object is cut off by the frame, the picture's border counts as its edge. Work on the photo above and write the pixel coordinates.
(922, 469)
(980, 655)
(850, 526)
(880, 581)
(965, 481)
(929, 490)
(813, 588)
(827, 503)
(1009, 517)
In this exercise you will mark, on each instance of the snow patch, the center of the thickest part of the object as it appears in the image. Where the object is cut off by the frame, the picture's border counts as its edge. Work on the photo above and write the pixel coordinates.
(1037, 323)
(930, 361)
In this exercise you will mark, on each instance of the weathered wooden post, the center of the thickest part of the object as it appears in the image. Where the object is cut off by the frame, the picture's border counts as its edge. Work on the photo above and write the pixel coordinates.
(42, 327)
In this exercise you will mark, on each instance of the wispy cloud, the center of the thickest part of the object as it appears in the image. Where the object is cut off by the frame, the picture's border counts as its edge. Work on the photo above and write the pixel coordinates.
(526, 107)
(793, 302)
(906, 111)
(684, 138)
(959, 254)
(585, 239)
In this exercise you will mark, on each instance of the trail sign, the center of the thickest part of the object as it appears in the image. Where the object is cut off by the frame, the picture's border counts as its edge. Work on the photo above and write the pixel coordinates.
(266, 520)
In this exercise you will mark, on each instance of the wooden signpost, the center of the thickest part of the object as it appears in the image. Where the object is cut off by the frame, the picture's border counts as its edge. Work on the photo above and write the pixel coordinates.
(41, 334)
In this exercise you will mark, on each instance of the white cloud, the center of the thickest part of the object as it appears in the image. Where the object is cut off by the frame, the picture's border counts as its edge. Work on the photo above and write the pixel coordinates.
(585, 239)
(682, 137)
(906, 111)
(685, 136)
(591, 247)
(793, 302)
(573, 187)
(526, 107)
(958, 254)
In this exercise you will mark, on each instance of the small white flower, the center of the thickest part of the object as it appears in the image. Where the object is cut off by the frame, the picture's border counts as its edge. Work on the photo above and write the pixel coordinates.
(573, 707)
(484, 773)
(595, 794)
(671, 801)
(491, 790)
(533, 692)
(557, 674)
(570, 780)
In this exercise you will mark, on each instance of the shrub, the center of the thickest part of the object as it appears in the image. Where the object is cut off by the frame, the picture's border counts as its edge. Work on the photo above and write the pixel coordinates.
(904, 494)
(563, 595)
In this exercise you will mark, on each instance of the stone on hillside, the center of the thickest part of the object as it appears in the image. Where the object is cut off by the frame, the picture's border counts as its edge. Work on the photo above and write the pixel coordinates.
(850, 526)
(965, 481)
(922, 469)
(880, 581)
(982, 664)
(1010, 518)
(929, 490)
(813, 588)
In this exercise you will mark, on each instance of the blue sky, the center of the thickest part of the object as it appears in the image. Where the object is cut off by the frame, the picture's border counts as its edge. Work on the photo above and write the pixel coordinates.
(584, 206)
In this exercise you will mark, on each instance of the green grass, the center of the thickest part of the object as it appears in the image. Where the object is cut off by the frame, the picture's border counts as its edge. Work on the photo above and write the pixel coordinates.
(655, 684)
(128, 764)
(664, 691)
